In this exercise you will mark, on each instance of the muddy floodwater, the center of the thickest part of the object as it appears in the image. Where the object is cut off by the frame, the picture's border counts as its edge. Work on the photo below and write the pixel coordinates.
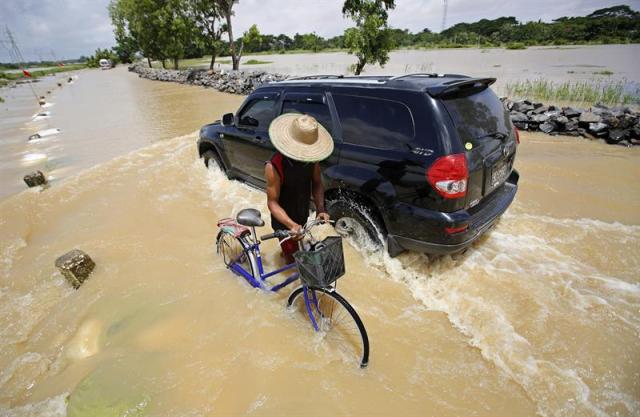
(540, 317)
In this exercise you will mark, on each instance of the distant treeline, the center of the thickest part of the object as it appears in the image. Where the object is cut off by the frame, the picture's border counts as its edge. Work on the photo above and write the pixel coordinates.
(30, 64)
(619, 24)
(612, 25)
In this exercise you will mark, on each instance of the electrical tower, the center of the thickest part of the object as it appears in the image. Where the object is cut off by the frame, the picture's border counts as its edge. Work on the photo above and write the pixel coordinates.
(444, 16)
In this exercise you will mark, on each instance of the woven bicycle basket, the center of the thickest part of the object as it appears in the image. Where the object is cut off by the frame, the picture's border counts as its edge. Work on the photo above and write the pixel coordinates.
(321, 267)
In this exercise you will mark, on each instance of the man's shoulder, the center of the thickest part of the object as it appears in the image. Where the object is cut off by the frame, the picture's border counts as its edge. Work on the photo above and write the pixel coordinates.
(276, 162)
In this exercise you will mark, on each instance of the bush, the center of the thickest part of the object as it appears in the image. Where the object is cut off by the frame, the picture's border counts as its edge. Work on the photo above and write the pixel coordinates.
(516, 45)
(94, 61)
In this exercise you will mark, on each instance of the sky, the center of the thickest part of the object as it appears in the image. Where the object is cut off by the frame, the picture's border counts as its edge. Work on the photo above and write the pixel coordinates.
(65, 29)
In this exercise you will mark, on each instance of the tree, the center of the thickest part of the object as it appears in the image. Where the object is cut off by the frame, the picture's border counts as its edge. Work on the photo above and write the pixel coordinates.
(94, 61)
(252, 39)
(207, 16)
(139, 19)
(126, 45)
(371, 39)
(615, 11)
(227, 11)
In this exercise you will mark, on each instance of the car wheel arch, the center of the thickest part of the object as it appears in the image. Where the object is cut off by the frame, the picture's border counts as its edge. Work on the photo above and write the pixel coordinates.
(335, 194)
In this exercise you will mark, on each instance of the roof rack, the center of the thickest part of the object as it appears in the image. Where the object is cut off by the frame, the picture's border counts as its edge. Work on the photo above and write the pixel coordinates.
(316, 77)
(427, 74)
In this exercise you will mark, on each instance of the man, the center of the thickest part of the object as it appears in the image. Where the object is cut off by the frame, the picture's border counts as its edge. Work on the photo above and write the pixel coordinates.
(293, 174)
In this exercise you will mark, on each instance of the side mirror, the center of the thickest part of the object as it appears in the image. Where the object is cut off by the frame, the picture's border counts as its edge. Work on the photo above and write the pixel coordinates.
(227, 119)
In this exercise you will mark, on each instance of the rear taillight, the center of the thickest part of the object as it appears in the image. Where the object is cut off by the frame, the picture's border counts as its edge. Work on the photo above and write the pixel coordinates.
(515, 129)
(454, 230)
(449, 175)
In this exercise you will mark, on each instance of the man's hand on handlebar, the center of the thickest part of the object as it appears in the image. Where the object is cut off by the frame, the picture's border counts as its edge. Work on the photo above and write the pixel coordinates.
(296, 232)
(323, 216)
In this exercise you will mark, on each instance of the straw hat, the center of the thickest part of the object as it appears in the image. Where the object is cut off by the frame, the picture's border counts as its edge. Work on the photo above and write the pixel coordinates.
(300, 137)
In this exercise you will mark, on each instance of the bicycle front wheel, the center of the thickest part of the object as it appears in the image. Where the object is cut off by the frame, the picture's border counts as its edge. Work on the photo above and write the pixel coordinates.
(336, 319)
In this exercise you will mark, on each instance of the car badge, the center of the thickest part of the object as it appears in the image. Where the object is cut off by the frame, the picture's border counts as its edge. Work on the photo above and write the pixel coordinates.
(468, 146)
(422, 151)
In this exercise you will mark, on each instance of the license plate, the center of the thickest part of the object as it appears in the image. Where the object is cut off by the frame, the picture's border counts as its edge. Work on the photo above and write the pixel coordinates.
(499, 173)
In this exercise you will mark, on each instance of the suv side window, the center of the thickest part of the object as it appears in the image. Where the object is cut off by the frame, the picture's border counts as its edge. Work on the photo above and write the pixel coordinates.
(258, 113)
(374, 122)
(311, 104)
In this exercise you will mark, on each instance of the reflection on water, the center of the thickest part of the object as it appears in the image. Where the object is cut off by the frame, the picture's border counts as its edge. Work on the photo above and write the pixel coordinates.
(540, 316)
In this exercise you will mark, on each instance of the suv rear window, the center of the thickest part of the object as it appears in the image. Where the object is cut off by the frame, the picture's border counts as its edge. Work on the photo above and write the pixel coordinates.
(478, 115)
(374, 122)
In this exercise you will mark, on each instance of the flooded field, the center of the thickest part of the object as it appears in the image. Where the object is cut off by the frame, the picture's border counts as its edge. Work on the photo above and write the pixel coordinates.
(598, 63)
(539, 317)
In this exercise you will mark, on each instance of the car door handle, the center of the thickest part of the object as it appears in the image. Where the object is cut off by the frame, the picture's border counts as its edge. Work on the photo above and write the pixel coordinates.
(258, 139)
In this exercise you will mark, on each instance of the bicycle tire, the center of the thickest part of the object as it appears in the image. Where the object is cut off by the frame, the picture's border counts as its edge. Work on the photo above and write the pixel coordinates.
(336, 326)
(229, 247)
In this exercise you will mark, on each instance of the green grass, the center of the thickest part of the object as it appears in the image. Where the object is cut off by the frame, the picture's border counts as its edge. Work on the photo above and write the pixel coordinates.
(256, 62)
(516, 45)
(604, 72)
(11, 76)
(578, 92)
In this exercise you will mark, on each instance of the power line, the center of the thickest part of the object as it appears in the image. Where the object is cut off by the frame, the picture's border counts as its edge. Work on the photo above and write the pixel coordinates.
(16, 55)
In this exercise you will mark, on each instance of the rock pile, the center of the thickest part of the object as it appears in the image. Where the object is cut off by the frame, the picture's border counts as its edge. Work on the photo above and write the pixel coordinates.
(616, 125)
(235, 82)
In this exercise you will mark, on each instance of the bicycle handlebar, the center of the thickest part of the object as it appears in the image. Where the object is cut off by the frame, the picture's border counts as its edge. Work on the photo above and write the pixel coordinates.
(278, 233)
(283, 234)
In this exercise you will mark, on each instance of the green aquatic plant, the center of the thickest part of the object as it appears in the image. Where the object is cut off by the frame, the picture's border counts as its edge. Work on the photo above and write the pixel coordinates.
(595, 91)
(256, 62)
(603, 72)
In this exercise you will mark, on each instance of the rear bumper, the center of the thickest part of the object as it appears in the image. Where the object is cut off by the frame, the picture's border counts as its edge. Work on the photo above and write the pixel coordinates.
(422, 230)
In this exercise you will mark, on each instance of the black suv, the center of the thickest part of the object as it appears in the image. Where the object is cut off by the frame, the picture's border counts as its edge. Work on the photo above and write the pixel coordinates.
(424, 160)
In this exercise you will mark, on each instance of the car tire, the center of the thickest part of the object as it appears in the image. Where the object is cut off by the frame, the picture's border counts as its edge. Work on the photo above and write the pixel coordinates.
(356, 220)
(212, 157)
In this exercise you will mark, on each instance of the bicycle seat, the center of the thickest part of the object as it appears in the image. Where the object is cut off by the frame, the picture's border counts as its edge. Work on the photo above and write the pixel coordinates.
(250, 217)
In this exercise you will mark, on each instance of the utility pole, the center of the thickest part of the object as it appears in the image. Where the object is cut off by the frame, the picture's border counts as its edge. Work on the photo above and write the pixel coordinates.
(444, 16)
(16, 55)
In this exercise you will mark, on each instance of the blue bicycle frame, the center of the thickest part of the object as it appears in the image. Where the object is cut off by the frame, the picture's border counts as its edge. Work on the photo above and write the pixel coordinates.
(261, 280)
(310, 299)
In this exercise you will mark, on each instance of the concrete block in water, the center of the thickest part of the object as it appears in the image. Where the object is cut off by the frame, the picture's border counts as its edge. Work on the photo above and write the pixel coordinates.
(75, 266)
(35, 178)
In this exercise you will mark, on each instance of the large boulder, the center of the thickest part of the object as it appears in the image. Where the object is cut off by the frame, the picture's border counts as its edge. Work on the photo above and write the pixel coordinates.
(539, 118)
(76, 266)
(35, 179)
(518, 117)
(540, 109)
(522, 106)
(589, 117)
(571, 112)
(616, 135)
(548, 127)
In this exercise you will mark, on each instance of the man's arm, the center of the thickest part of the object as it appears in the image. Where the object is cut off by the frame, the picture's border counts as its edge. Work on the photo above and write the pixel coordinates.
(273, 193)
(318, 194)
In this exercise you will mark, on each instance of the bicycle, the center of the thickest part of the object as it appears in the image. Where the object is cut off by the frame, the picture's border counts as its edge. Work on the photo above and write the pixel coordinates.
(318, 265)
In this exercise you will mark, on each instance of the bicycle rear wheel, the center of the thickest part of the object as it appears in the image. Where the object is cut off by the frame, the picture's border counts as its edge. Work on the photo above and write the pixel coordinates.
(336, 319)
(233, 251)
